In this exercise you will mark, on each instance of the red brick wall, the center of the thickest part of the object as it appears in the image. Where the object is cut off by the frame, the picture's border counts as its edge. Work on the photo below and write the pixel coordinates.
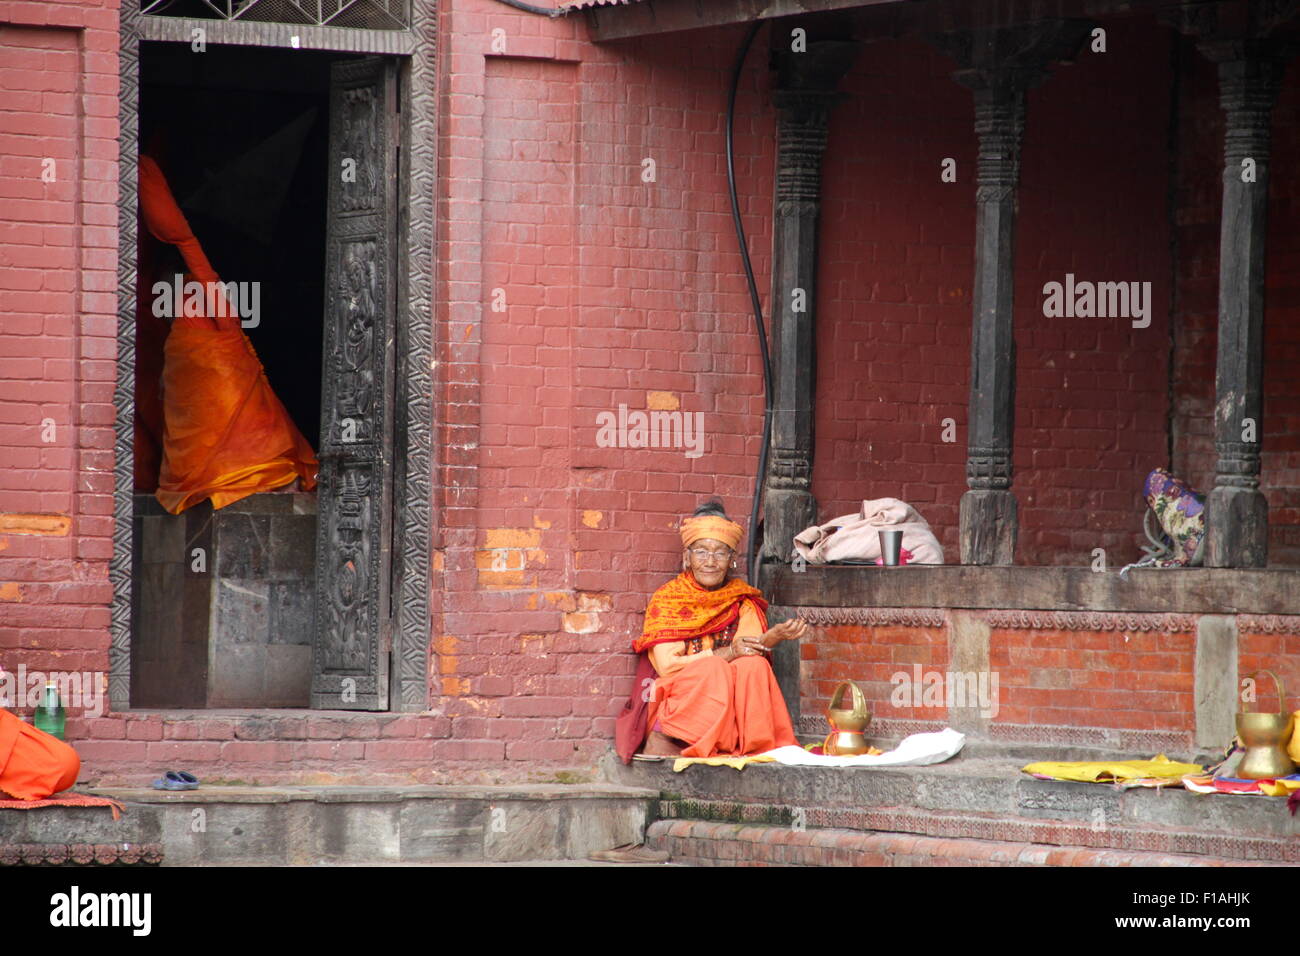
(1199, 198)
(871, 657)
(1279, 653)
(613, 290)
(893, 334)
(1280, 473)
(58, 280)
(1134, 680)
(894, 330)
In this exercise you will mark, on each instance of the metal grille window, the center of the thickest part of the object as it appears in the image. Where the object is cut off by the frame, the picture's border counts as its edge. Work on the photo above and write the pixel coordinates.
(357, 14)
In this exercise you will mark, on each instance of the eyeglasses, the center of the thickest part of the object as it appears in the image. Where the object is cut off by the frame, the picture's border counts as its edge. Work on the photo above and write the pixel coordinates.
(703, 554)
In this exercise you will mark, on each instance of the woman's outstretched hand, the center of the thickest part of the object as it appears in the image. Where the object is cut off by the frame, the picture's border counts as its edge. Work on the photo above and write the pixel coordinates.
(751, 646)
(790, 630)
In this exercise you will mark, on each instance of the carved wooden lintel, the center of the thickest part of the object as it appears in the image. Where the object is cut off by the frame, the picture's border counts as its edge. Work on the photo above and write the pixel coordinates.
(1012, 56)
(1229, 20)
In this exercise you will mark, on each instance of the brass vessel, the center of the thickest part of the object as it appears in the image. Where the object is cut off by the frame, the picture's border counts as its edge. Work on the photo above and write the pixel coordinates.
(847, 721)
(1265, 737)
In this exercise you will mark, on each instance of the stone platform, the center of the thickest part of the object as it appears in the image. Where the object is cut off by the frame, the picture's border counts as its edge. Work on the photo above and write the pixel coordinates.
(979, 801)
(268, 826)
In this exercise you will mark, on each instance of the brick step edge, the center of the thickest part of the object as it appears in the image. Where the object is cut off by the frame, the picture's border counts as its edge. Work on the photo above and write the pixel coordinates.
(81, 854)
(697, 843)
(995, 829)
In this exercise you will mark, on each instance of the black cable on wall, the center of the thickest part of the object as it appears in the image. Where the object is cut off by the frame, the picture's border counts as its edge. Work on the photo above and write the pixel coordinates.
(551, 12)
(754, 539)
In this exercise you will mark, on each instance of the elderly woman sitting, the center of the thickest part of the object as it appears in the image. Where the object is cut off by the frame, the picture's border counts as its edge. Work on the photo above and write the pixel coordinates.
(707, 640)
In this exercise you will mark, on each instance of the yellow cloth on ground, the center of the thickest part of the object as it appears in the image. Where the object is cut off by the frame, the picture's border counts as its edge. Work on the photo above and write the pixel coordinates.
(1097, 771)
(736, 763)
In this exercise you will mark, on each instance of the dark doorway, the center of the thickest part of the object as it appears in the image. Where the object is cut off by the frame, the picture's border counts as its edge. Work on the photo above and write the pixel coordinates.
(223, 601)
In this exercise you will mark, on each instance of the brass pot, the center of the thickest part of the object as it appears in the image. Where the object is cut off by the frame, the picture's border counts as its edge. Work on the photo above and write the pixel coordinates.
(1265, 737)
(847, 721)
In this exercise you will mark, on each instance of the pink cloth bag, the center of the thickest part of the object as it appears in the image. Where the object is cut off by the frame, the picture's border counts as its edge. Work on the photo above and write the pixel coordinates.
(856, 538)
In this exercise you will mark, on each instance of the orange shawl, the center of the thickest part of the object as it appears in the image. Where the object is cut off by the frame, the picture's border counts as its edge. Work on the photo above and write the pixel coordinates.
(681, 610)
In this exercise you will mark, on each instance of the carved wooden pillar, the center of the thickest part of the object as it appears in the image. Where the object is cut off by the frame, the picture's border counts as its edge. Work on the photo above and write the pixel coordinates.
(1001, 65)
(988, 508)
(1236, 511)
(804, 99)
(1235, 36)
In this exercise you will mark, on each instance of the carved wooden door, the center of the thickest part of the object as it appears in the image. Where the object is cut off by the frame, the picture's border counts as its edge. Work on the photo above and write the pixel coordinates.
(350, 656)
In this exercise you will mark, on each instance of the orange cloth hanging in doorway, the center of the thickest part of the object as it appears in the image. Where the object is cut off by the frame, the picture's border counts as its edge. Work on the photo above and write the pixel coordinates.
(225, 433)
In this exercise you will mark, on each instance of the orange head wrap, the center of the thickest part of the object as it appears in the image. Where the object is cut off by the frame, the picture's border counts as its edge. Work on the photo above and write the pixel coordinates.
(711, 526)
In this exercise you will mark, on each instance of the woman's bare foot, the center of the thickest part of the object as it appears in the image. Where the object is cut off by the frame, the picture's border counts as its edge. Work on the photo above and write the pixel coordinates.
(661, 745)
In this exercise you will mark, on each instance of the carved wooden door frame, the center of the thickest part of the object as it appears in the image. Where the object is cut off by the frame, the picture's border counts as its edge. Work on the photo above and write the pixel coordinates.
(412, 464)
(352, 643)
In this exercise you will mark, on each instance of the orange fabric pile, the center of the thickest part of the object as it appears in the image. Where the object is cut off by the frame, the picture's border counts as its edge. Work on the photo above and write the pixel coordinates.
(224, 433)
(33, 764)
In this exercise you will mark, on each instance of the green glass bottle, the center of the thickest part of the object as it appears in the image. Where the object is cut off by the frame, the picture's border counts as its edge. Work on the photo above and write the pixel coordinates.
(49, 716)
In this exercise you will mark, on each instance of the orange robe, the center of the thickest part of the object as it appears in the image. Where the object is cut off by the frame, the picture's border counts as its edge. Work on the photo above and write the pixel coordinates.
(225, 434)
(717, 707)
(33, 764)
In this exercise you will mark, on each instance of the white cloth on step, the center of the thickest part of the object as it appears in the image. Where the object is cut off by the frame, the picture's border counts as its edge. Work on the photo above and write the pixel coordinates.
(918, 750)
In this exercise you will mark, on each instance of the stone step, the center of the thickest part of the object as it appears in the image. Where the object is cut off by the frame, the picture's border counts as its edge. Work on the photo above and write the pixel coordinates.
(697, 843)
(307, 825)
(982, 798)
(948, 826)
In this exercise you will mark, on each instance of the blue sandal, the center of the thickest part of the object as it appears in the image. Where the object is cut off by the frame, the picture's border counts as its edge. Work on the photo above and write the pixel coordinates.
(177, 780)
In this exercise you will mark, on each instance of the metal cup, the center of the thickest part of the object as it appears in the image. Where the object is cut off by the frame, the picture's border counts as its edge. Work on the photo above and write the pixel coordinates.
(891, 546)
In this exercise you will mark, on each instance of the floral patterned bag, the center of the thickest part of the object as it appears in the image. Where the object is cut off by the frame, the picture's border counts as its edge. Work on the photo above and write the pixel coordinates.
(1179, 512)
